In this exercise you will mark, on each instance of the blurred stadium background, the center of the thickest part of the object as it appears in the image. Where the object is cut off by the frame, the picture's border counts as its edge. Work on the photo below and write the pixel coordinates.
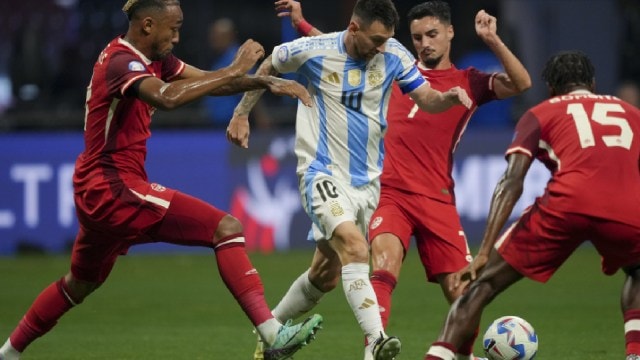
(47, 50)
(48, 47)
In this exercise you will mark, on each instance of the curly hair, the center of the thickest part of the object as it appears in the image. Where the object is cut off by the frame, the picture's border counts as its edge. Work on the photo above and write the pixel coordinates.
(568, 69)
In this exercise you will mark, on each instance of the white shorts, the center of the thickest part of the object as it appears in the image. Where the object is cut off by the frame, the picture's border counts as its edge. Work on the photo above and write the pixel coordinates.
(329, 202)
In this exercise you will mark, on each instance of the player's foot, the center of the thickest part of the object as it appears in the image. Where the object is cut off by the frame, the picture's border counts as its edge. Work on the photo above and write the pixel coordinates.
(633, 357)
(258, 354)
(292, 338)
(386, 347)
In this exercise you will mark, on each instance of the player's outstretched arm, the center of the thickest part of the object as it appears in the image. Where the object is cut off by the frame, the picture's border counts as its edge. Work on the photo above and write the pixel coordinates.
(194, 84)
(434, 101)
(506, 194)
(516, 79)
(293, 9)
(238, 129)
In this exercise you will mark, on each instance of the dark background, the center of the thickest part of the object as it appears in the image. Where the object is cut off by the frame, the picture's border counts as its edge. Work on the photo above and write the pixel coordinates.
(47, 48)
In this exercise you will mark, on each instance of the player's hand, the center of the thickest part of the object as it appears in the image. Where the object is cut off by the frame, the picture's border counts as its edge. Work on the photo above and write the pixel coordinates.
(290, 88)
(470, 273)
(486, 25)
(238, 130)
(248, 54)
(289, 8)
(459, 96)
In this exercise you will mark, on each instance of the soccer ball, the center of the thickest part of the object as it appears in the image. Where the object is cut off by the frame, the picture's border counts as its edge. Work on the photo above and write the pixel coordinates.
(510, 338)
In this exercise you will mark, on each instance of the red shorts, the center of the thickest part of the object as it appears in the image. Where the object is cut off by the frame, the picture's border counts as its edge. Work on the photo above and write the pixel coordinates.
(113, 218)
(541, 241)
(435, 225)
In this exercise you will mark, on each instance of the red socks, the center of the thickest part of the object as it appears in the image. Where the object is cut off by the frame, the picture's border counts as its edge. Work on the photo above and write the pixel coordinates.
(43, 315)
(632, 331)
(383, 283)
(242, 279)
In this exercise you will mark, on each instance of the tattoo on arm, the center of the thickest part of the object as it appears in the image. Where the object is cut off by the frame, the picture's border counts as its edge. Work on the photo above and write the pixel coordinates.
(250, 98)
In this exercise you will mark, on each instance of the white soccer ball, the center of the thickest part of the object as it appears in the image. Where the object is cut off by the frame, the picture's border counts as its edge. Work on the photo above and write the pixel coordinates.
(510, 338)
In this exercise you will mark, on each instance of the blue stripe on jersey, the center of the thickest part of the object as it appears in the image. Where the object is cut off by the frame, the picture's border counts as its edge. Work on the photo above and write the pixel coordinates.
(322, 159)
(357, 125)
(383, 126)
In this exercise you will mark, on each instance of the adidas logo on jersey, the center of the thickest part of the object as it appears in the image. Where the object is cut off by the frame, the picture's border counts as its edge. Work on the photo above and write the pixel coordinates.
(333, 78)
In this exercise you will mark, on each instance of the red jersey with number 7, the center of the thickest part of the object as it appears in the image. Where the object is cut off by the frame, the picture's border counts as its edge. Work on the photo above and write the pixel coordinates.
(419, 146)
(591, 145)
(117, 125)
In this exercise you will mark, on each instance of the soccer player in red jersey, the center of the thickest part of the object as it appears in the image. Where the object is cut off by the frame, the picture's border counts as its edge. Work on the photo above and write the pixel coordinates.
(591, 145)
(118, 207)
(417, 193)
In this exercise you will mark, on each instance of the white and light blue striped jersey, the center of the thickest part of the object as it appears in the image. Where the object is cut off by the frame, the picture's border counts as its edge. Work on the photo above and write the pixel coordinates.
(341, 135)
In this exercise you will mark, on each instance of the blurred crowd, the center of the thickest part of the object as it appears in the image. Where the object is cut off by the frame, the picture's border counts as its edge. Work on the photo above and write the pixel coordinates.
(48, 47)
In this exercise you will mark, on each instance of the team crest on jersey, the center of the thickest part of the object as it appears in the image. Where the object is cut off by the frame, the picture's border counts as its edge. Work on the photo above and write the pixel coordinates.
(136, 66)
(376, 222)
(354, 77)
(336, 209)
(374, 77)
(158, 187)
(283, 54)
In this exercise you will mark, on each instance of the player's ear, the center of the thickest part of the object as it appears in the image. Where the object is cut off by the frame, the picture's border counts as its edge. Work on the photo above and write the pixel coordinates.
(147, 24)
(450, 32)
(353, 27)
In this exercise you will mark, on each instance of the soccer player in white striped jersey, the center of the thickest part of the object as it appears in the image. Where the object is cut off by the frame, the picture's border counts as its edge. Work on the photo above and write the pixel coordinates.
(340, 152)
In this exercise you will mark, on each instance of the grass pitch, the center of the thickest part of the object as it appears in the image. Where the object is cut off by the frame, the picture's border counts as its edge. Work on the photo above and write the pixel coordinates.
(176, 307)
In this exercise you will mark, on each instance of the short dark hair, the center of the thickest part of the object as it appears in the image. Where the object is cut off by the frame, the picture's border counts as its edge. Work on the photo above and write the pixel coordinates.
(568, 69)
(133, 7)
(377, 10)
(435, 8)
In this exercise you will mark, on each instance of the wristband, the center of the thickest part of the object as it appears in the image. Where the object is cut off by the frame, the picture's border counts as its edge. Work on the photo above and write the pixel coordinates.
(304, 28)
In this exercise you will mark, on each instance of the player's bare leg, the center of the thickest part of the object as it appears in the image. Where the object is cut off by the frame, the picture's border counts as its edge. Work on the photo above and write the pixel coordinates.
(464, 315)
(353, 251)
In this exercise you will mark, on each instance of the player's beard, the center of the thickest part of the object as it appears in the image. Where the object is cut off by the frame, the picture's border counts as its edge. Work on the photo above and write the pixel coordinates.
(430, 62)
(159, 55)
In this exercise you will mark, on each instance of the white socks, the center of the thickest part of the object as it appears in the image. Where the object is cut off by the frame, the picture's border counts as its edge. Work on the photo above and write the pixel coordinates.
(301, 297)
(362, 299)
(268, 330)
(8, 352)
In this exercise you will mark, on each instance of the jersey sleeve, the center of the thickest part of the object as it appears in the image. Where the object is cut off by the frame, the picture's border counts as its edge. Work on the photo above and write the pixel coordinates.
(288, 57)
(481, 85)
(172, 67)
(123, 70)
(407, 76)
(527, 136)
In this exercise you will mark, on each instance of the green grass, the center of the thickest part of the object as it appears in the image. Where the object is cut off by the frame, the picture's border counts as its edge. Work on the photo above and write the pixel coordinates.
(176, 307)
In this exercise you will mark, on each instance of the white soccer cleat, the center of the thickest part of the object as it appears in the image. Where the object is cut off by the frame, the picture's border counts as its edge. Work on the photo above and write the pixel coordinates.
(386, 348)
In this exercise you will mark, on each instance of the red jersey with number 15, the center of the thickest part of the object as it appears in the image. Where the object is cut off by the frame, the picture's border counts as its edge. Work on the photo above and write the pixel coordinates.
(117, 126)
(591, 145)
(419, 146)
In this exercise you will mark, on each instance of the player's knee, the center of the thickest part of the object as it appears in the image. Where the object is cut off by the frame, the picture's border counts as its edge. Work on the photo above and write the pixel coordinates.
(227, 227)
(352, 249)
(76, 290)
(483, 291)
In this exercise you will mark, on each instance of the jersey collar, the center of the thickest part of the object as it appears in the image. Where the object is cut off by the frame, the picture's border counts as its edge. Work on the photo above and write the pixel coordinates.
(124, 42)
